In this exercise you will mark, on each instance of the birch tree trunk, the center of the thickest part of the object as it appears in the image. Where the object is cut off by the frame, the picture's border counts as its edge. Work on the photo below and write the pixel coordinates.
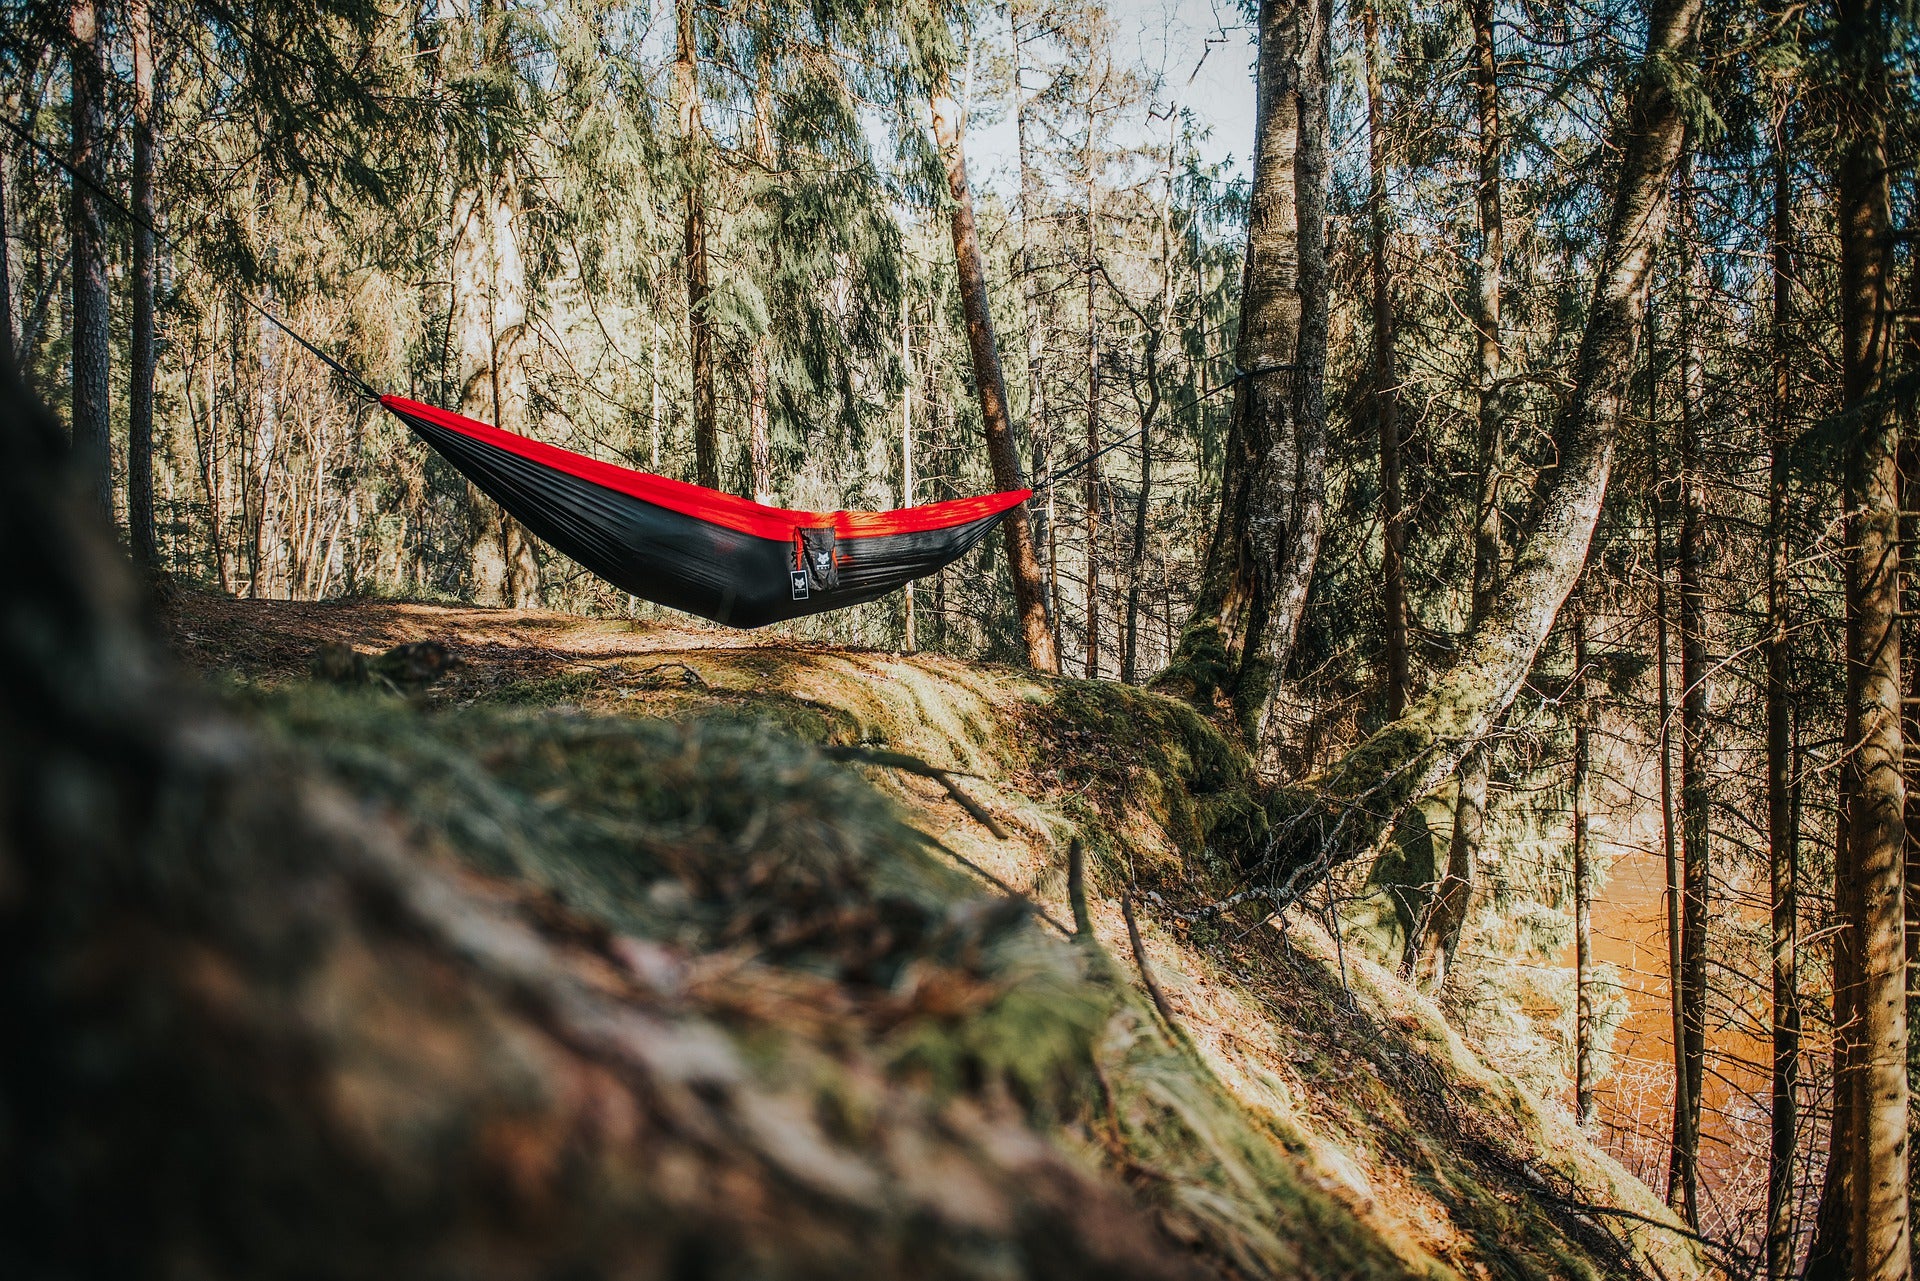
(92, 441)
(1342, 814)
(990, 385)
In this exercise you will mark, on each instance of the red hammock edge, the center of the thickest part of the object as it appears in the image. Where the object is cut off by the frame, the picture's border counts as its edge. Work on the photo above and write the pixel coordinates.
(739, 514)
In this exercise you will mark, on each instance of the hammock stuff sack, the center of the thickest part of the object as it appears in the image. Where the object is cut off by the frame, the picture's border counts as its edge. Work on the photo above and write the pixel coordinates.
(724, 558)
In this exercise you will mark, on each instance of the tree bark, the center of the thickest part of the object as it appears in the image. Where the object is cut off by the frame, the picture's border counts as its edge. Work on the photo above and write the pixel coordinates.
(1384, 389)
(1266, 538)
(1696, 819)
(1585, 1070)
(1681, 1141)
(907, 483)
(686, 81)
(8, 351)
(1091, 483)
(1876, 827)
(1028, 591)
(1342, 814)
(1429, 949)
(92, 440)
(759, 381)
(1039, 428)
(1488, 276)
(1782, 839)
(140, 527)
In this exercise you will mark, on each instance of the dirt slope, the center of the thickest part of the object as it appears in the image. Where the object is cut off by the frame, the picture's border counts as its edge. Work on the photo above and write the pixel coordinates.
(1304, 1115)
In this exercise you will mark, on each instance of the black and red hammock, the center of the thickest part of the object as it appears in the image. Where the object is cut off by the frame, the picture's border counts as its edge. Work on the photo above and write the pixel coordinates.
(736, 562)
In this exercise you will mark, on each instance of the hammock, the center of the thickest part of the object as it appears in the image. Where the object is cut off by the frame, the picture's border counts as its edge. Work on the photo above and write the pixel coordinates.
(724, 558)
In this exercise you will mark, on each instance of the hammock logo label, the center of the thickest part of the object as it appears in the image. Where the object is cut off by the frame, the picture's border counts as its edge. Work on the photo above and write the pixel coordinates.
(800, 590)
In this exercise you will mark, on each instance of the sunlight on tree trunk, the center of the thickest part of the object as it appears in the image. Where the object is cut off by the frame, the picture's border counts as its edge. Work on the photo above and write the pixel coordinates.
(990, 386)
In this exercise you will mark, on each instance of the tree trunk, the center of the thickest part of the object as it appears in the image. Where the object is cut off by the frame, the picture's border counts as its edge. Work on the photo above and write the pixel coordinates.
(1343, 813)
(1039, 427)
(1028, 591)
(686, 81)
(910, 641)
(1266, 538)
(1384, 389)
(1696, 819)
(1830, 1256)
(490, 308)
(759, 442)
(1428, 950)
(140, 530)
(1682, 1141)
(8, 352)
(1091, 482)
(92, 440)
(1431, 945)
(1585, 1071)
(1876, 827)
(1155, 330)
(1782, 838)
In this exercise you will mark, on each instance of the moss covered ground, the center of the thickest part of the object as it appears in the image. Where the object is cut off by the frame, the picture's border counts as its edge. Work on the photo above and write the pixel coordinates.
(665, 787)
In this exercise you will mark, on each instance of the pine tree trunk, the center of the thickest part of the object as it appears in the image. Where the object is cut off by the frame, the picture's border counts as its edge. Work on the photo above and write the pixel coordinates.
(686, 80)
(1488, 275)
(1876, 828)
(8, 351)
(92, 440)
(1384, 390)
(1830, 1256)
(907, 479)
(1696, 820)
(1343, 813)
(1154, 336)
(1782, 838)
(1039, 426)
(1028, 590)
(759, 440)
(1585, 1070)
(1091, 483)
(140, 529)
(1682, 1141)
(1429, 948)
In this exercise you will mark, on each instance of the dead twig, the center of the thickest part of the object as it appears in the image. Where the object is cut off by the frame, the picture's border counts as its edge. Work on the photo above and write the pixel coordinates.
(914, 765)
(687, 675)
(1140, 960)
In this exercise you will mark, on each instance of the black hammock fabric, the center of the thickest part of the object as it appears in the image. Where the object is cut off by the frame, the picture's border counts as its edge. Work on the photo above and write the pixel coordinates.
(736, 562)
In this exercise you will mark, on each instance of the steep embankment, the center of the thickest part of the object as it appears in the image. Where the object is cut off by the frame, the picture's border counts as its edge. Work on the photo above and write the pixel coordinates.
(872, 1044)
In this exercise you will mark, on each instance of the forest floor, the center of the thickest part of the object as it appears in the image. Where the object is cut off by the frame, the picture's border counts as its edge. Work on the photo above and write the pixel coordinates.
(1297, 1112)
